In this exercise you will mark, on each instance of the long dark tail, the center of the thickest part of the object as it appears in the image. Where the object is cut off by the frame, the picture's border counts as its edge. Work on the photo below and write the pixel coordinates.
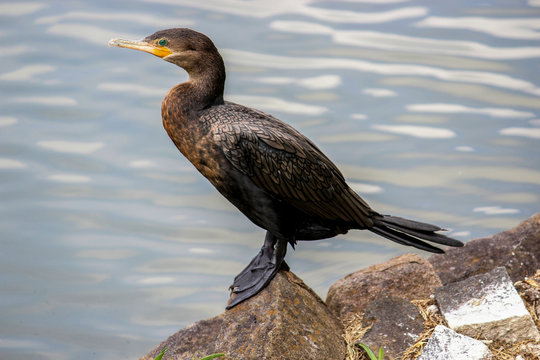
(411, 233)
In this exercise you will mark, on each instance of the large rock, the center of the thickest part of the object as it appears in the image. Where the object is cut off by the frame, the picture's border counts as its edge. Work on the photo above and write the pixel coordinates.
(395, 325)
(517, 249)
(408, 276)
(487, 306)
(446, 344)
(529, 290)
(286, 320)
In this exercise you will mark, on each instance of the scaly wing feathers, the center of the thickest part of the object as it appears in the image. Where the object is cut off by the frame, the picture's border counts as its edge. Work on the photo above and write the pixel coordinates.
(285, 163)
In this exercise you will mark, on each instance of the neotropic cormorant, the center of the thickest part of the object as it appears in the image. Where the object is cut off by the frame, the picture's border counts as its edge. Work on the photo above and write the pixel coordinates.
(271, 172)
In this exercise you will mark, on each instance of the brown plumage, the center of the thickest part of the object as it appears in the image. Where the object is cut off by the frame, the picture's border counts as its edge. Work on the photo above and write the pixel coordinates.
(271, 172)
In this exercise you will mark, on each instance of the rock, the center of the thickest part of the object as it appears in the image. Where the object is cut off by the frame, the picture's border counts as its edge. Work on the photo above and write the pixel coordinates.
(432, 310)
(446, 344)
(529, 288)
(395, 325)
(488, 307)
(408, 276)
(287, 317)
(517, 249)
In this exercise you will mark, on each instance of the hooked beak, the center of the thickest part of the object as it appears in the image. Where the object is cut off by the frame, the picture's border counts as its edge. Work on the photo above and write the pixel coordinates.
(159, 51)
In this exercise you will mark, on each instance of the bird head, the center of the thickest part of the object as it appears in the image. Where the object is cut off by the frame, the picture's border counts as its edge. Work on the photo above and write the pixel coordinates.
(189, 49)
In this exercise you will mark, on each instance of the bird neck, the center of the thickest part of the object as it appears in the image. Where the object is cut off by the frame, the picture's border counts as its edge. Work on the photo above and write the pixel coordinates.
(204, 87)
(204, 91)
(185, 100)
(181, 108)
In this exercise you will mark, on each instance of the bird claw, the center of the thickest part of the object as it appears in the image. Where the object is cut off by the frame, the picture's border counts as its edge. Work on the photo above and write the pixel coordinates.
(250, 286)
(260, 271)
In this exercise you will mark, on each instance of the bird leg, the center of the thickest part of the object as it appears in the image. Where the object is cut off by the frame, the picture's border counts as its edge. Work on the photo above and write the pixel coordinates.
(261, 270)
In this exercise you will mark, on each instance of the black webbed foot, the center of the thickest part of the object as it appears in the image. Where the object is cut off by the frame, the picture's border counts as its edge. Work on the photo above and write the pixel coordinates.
(260, 271)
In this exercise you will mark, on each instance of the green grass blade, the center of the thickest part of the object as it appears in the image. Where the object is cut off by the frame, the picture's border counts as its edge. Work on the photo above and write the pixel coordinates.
(381, 353)
(160, 354)
(370, 353)
(213, 356)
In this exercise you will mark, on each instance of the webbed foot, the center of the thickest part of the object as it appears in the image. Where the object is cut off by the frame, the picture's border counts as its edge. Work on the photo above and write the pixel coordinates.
(260, 271)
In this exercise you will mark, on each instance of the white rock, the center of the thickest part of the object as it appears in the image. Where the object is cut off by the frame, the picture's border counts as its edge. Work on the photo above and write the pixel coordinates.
(487, 306)
(446, 344)
(432, 309)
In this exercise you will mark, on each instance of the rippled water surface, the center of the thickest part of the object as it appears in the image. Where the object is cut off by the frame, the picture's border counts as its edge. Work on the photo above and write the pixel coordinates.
(111, 240)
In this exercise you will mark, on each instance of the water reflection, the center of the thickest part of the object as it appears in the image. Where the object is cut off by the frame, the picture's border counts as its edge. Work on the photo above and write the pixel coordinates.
(133, 89)
(69, 178)
(197, 265)
(495, 210)
(11, 164)
(246, 58)
(27, 73)
(20, 8)
(313, 83)
(443, 176)
(379, 92)
(520, 29)
(481, 93)
(518, 131)
(90, 33)
(356, 137)
(424, 132)
(132, 17)
(47, 100)
(7, 121)
(395, 42)
(457, 109)
(263, 9)
(276, 104)
(71, 147)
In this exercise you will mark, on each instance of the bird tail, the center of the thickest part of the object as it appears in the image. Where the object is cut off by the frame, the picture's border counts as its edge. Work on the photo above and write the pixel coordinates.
(411, 233)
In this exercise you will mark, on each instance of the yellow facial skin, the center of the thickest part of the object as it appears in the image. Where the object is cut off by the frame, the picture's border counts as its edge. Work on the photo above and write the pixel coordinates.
(154, 49)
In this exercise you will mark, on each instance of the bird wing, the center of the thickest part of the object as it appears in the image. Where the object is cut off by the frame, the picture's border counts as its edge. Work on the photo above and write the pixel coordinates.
(286, 164)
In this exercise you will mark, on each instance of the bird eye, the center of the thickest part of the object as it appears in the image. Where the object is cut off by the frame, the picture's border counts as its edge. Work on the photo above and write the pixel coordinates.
(162, 42)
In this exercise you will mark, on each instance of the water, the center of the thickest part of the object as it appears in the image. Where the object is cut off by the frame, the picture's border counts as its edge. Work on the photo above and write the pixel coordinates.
(111, 240)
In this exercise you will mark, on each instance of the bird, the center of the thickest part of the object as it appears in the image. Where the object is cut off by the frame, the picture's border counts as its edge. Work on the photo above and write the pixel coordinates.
(277, 177)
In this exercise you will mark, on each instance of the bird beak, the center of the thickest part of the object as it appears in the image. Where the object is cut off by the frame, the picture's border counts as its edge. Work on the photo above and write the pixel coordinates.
(159, 51)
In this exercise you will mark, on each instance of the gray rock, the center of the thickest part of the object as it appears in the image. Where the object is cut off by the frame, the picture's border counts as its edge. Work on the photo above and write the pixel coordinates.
(395, 325)
(286, 320)
(488, 307)
(517, 249)
(446, 344)
(529, 288)
(408, 276)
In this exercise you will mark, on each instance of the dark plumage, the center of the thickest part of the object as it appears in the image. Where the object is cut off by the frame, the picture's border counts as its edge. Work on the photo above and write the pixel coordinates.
(271, 172)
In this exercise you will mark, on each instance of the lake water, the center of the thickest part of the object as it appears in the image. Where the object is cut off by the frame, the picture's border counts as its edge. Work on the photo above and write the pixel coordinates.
(111, 241)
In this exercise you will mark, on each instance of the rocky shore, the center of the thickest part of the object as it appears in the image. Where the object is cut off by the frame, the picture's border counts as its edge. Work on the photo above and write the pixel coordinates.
(481, 301)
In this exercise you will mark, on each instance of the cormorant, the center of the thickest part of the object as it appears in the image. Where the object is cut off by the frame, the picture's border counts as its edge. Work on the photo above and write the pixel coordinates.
(271, 172)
